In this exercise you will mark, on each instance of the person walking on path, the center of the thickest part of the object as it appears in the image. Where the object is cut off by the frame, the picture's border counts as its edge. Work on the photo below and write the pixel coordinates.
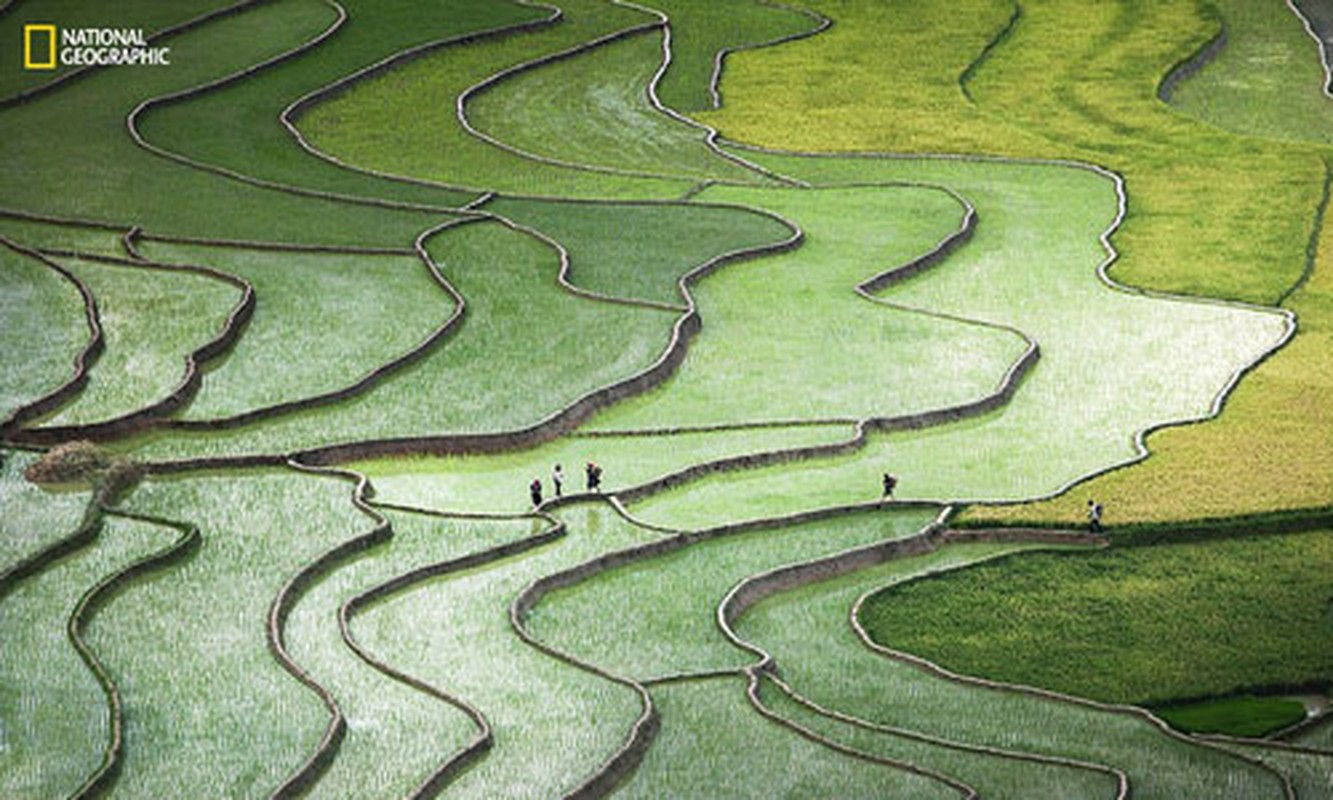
(593, 473)
(558, 480)
(890, 483)
(1094, 516)
(536, 491)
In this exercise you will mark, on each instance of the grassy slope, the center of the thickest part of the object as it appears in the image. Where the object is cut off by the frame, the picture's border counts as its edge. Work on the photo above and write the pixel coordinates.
(496, 373)
(206, 703)
(1031, 265)
(237, 127)
(554, 724)
(49, 746)
(42, 330)
(656, 617)
(798, 314)
(1080, 82)
(640, 251)
(1093, 624)
(397, 735)
(713, 744)
(594, 110)
(807, 631)
(702, 28)
(321, 322)
(94, 171)
(151, 319)
(426, 140)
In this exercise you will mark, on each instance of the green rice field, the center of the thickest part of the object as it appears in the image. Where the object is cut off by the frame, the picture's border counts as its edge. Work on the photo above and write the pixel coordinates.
(667, 398)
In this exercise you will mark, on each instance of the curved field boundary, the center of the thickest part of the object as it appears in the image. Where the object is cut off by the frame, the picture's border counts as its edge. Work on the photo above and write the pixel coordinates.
(710, 133)
(632, 433)
(460, 103)
(933, 257)
(620, 764)
(822, 23)
(1135, 712)
(1274, 744)
(79, 72)
(445, 330)
(297, 107)
(624, 761)
(1189, 66)
(677, 540)
(309, 773)
(1000, 396)
(566, 419)
(1103, 274)
(662, 25)
(562, 277)
(1319, 41)
(756, 588)
(189, 384)
(82, 362)
(1000, 38)
(484, 739)
(138, 422)
(84, 534)
(207, 241)
(1121, 778)
(754, 677)
(1312, 247)
(627, 758)
(132, 125)
(94, 600)
(281, 247)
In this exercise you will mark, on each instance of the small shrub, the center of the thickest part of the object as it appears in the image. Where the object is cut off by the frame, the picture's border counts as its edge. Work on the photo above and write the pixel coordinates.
(82, 462)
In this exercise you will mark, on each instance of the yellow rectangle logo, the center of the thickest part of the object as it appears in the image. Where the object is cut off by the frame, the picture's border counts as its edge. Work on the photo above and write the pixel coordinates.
(33, 52)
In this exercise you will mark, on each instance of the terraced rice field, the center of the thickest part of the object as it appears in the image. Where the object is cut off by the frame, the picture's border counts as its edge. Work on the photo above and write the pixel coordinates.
(310, 341)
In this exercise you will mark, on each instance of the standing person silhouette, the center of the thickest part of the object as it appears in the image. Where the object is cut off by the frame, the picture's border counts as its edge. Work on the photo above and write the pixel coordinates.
(1094, 516)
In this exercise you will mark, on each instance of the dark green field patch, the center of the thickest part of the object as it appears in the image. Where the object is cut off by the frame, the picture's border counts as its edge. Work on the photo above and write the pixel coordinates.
(1236, 716)
(1137, 625)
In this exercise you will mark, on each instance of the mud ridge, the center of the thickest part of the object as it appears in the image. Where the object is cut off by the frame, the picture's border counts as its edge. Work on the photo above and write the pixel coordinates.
(822, 23)
(965, 77)
(1121, 778)
(299, 106)
(186, 544)
(482, 742)
(82, 362)
(1319, 41)
(189, 385)
(1192, 64)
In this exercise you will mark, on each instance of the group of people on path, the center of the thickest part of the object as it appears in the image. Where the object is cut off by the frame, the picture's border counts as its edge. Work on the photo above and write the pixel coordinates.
(592, 476)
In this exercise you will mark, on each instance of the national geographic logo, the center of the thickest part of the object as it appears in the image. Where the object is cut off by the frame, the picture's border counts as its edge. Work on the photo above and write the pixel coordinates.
(46, 46)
